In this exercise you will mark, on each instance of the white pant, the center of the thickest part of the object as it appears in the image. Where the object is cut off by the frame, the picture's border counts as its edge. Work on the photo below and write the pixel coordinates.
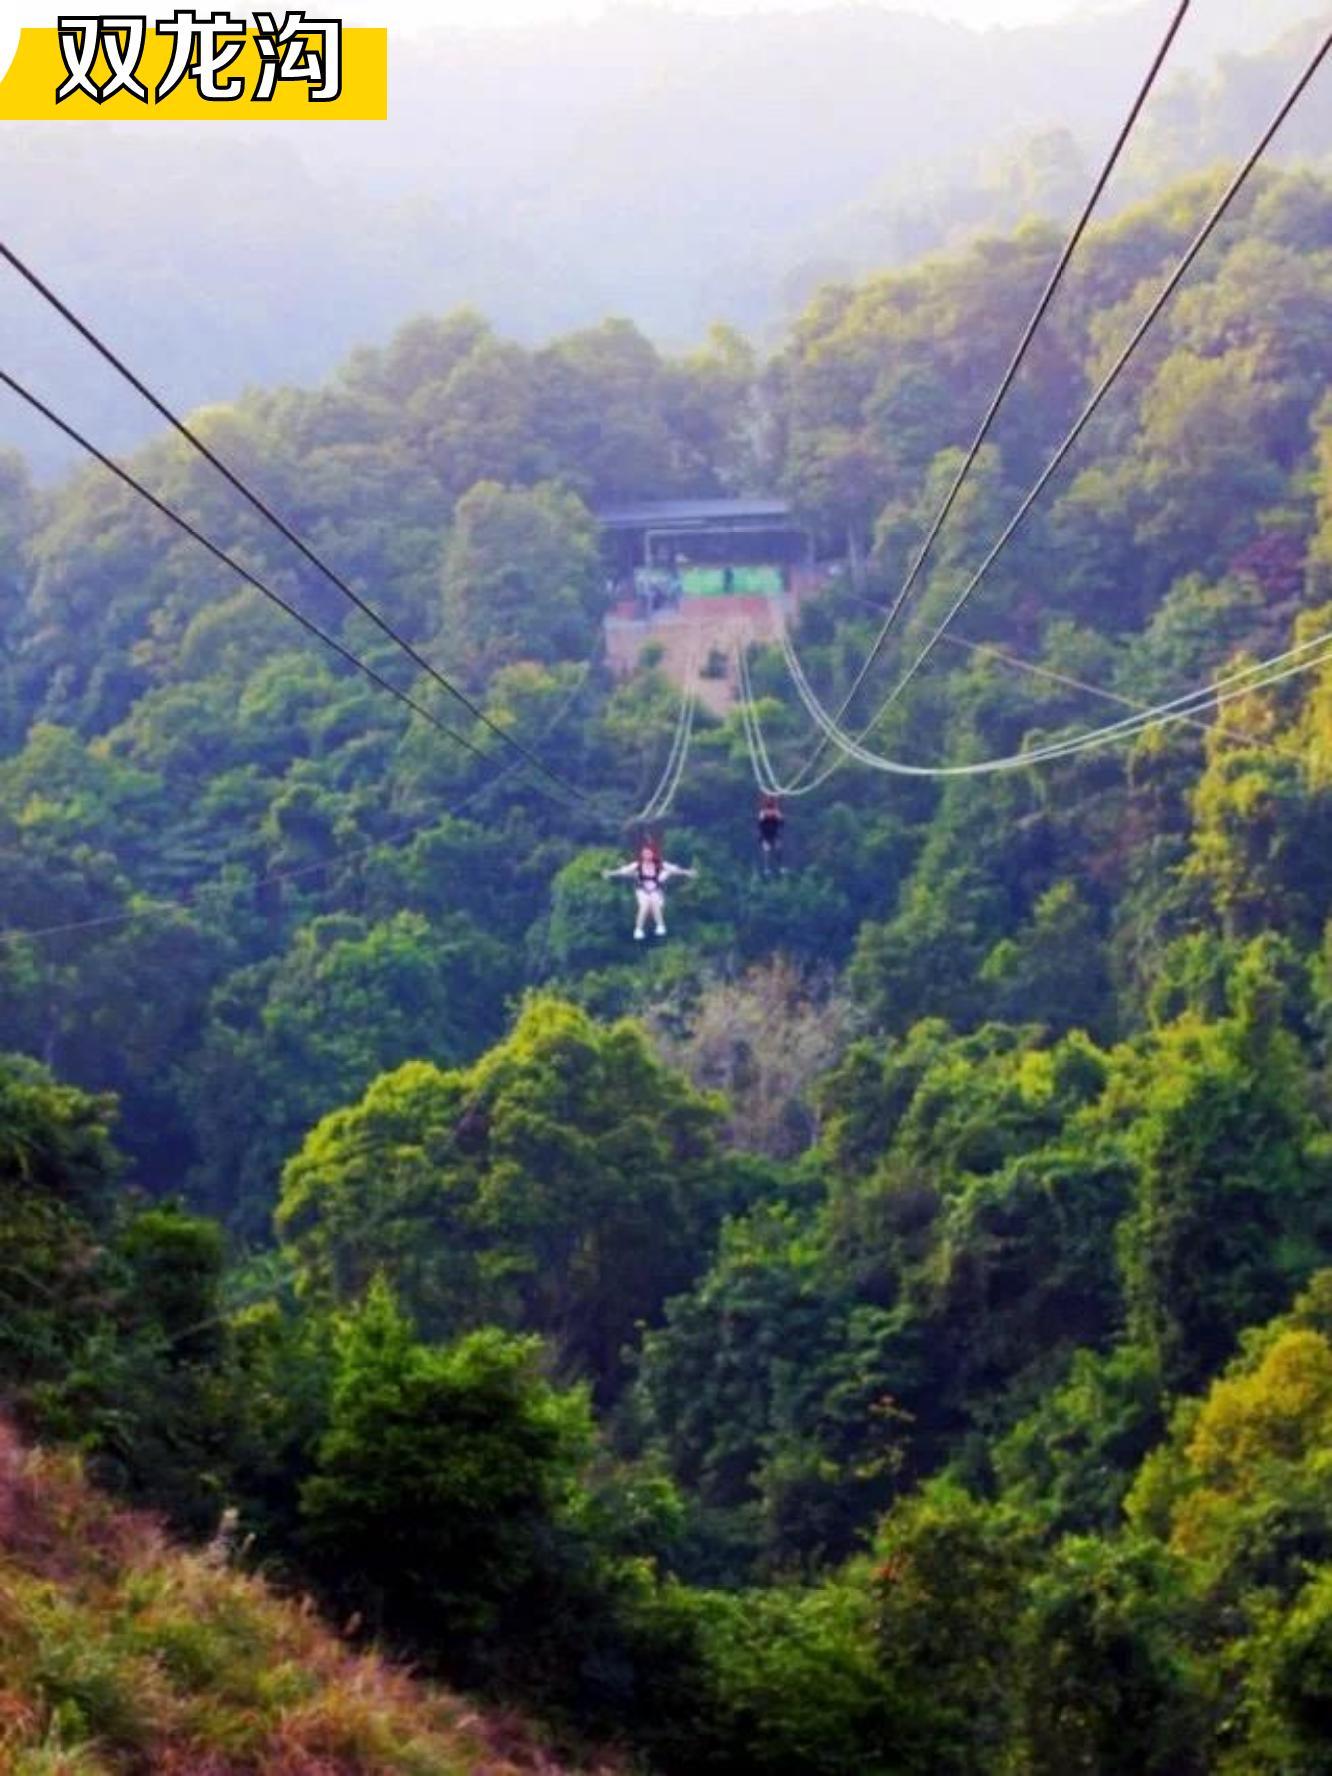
(651, 905)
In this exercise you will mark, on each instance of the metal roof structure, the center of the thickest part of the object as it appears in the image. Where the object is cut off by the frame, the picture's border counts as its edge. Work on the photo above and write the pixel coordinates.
(684, 514)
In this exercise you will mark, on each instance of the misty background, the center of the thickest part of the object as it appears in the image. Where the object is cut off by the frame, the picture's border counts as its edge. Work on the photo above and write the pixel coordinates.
(677, 169)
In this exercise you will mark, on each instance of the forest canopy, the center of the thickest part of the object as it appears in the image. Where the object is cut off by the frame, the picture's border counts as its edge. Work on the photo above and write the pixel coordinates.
(888, 1323)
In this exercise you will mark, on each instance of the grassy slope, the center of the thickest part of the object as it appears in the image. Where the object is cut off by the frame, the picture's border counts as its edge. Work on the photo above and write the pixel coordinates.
(121, 1653)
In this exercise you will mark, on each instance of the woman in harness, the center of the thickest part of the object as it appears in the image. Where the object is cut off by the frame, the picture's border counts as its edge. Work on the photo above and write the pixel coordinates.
(650, 874)
(771, 820)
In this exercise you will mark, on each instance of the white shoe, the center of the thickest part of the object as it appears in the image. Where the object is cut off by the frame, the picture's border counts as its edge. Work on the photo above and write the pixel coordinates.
(661, 931)
(640, 935)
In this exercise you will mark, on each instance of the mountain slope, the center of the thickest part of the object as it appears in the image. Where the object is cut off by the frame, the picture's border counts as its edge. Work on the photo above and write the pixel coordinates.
(650, 163)
(120, 1652)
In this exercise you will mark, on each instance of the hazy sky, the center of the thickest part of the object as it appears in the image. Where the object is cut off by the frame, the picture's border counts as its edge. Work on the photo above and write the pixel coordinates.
(412, 16)
(415, 15)
(424, 15)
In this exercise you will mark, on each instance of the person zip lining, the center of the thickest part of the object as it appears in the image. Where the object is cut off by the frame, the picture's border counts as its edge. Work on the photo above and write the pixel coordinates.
(771, 820)
(650, 873)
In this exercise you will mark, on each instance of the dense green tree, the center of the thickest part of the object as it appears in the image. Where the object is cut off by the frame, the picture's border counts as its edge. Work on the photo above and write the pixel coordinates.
(1003, 1268)
(602, 400)
(477, 422)
(757, 1383)
(57, 1170)
(1105, 1666)
(520, 577)
(17, 521)
(1072, 1458)
(778, 1683)
(1239, 1486)
(114, 1335)
(1051, 970)
(441, 1476)
(1226, 1219)
(566, 1184)
(1284, 1710)
(928, 954)
(837, 475)
(949, 1577)
(305, 1033)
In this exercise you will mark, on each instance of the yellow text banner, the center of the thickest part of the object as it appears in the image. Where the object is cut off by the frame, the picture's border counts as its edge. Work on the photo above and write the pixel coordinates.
(127, 77)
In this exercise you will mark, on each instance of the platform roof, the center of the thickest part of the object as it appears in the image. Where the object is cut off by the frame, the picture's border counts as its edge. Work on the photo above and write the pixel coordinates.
(675, 514)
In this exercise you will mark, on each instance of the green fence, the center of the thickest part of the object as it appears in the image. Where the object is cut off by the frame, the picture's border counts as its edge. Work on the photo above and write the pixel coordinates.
(731, 582)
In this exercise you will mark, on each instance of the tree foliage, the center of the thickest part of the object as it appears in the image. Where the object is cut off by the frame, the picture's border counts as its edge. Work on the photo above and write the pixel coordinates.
(885, 1327)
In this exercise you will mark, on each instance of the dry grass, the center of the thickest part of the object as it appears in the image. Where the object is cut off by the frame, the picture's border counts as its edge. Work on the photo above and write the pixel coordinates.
(121, 1655)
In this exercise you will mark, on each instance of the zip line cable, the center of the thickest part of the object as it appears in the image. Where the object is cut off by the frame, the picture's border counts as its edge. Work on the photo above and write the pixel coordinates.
(659, 803)
(832, 731)
(260, 505)
(986, 651)
(275, 598)
(819, 716)
(1033, 326)
(667, 801)
(659, 800)
(312, 628)
(244, 573)
(667, 798)
(1213, 698)
(761, 776)
(859, 756)
(764, 774)
(184, 902)
(758, 755)
(835, 733)
(1226, 689)
(649, 807)
(849, 746)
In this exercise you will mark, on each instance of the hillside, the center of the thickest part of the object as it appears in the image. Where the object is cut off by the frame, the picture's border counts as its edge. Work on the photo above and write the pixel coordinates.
(731, 162)
(120, 1652)
(1042, 169)
(881, 1328)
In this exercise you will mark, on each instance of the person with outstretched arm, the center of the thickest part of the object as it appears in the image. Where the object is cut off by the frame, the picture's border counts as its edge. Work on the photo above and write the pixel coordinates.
(649, 873)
